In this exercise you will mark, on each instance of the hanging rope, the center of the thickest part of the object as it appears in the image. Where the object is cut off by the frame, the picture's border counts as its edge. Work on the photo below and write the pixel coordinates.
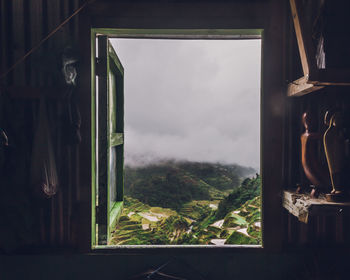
(19, 61)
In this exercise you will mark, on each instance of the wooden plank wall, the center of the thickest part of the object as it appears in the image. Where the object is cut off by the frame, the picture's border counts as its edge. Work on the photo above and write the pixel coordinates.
(23, 23)
(322, 231)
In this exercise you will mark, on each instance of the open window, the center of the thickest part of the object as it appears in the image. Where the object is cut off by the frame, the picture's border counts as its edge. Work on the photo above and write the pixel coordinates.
(109, 137)
(108, 131)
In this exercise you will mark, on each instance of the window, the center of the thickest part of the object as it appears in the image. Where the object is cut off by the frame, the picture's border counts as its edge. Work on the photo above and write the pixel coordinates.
(109, 137)
(108, 187)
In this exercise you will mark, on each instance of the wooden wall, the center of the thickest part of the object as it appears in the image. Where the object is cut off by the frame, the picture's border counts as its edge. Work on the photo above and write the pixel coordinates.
(23, 24)
(331, 230)
(322, 231)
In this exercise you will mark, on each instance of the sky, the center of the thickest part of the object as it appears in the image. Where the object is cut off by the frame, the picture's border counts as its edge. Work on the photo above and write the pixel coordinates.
(196, 100)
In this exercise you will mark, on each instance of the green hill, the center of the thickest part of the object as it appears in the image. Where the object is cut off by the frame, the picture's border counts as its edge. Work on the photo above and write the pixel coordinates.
(189, 203)
(172, 184)
(220, 176)
(249, 189)
(169, 187)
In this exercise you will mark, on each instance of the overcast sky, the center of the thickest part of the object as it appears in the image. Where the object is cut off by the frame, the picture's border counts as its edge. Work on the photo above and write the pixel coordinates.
(193, 100)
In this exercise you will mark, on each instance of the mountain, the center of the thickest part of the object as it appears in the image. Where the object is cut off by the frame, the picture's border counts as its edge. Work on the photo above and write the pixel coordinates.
(189, 203)
(173, 183)
(249, 189)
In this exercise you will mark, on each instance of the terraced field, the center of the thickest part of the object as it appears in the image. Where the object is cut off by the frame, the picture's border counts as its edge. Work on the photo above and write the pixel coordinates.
(189, 203)
(195, 223)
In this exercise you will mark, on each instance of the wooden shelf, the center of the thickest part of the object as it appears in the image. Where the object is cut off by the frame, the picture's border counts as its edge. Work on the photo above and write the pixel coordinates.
(314, 78)
(303, 206)
(301, 87)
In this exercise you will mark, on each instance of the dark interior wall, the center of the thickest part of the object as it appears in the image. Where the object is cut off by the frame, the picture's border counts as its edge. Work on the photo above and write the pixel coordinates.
(51, 227)
(35, 222)
(227, 266)
(289, 266)
(23, 25)
(331, 230)
(321, 230)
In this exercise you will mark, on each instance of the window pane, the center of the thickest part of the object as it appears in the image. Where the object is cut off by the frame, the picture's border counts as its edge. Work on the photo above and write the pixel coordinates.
(112, 174)
(192, 142)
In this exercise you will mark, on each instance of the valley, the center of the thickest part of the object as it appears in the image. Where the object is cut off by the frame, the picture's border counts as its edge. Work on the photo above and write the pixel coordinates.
(188, 203)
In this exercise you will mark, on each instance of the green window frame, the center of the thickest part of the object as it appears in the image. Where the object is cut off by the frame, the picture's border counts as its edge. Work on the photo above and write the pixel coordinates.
(271, 226)
(109, 140)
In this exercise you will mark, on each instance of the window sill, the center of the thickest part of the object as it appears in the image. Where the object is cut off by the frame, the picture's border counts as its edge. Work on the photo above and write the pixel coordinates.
(179, 249)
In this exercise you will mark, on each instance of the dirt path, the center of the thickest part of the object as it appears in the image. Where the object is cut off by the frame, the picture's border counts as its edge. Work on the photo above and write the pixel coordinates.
(218, 223)
(218, 241)
(244, 231)
(149, 217)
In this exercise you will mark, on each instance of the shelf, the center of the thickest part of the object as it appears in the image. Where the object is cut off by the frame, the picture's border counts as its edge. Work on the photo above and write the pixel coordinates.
(301, 87)
(303, 206)
(314, 79)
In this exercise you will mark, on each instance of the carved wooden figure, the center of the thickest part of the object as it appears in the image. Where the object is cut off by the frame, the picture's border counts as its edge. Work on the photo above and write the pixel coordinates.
(335, 149)
(314, 170)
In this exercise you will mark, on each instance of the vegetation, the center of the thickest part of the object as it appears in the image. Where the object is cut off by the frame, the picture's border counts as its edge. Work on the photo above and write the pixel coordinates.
(189, 203)
(248, 189)
(170, 189)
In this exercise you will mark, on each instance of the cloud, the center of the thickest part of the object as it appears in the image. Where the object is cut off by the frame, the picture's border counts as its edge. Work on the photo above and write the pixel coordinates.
(192, 99)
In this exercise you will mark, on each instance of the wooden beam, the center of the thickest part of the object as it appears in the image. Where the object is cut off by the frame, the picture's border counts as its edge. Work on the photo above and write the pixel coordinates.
(235, 9)
(303, 206)
(301, 87)
(273, 96)
(336, 77)
(300, 38)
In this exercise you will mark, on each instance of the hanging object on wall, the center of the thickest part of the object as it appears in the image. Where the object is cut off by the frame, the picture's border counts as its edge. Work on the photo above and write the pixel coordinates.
(335, 149)
(317, 173)
(322, 35)
(44, 180)
(3, 138)
(69, 70)
(318, 32)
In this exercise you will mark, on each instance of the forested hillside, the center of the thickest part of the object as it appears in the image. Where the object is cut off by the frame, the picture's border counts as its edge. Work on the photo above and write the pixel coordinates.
(189, 203)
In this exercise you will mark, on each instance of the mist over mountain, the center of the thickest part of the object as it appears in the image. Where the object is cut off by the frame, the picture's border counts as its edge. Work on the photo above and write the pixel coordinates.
(148, 159)
(209, 112)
